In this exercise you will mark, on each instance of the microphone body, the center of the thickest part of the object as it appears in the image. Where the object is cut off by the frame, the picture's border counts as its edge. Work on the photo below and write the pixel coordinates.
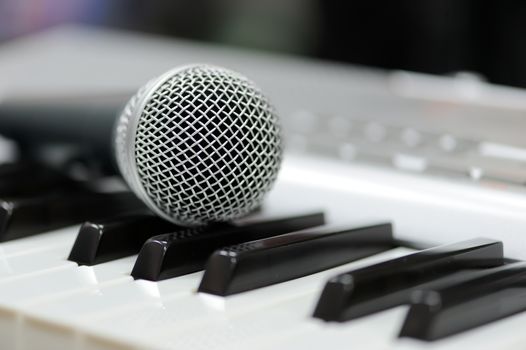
(198, 144)
(54, 128)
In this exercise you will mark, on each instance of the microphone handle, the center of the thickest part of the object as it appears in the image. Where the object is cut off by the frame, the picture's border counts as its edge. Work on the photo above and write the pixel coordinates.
(54, 128)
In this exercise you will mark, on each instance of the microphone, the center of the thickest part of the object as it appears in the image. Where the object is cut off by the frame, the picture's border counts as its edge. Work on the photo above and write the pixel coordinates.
(197, 144)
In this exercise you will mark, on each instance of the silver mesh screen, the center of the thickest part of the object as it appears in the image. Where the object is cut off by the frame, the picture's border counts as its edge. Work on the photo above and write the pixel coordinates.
(207, 145)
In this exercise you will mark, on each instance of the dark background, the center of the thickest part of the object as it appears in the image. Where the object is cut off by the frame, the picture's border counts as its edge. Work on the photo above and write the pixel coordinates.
(434, 36)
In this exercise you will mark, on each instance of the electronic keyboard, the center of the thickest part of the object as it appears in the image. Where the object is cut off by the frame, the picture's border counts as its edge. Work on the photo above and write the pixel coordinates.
(339, 255)
(380, 233)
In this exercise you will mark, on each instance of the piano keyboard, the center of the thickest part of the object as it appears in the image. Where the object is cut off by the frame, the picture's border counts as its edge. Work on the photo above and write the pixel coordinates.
(341, 255)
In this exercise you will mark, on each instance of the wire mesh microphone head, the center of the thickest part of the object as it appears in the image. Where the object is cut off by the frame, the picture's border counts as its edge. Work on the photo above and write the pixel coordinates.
(199, 144)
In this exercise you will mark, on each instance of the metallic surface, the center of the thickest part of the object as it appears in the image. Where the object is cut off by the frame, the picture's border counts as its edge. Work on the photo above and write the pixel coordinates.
(199, 144)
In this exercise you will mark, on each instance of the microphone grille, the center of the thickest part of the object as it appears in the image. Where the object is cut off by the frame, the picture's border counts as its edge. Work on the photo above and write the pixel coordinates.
(206, 145)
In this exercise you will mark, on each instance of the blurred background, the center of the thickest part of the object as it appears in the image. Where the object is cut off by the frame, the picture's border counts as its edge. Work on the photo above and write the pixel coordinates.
(439, 37)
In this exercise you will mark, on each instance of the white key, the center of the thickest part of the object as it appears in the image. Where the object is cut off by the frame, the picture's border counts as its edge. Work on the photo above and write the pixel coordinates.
(285, 323)
(139, 325)
(90, 305)
(38, 286)
(32, 261)
(113, 295)
(62, 237)
(69, 277)
(36, 253)
(245, 327)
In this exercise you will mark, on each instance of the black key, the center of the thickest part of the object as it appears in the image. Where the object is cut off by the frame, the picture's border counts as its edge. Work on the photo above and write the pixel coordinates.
(488, 296)
(27, 178)
(278, 259)
(23, 217)
(105, 240)
(187, 250)
(388, 284)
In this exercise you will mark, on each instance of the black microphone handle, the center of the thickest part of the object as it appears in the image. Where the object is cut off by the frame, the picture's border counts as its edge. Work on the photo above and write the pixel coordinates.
(54, 128)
